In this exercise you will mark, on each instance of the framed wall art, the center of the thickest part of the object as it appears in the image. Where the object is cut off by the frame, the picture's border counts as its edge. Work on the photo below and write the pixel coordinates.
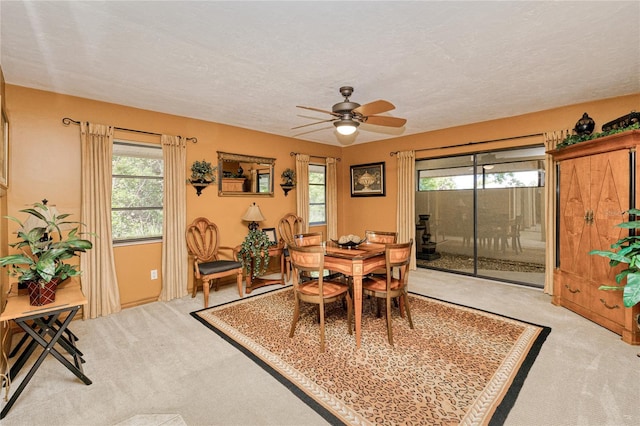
(271, 234)
(4, 150)
(368, 180)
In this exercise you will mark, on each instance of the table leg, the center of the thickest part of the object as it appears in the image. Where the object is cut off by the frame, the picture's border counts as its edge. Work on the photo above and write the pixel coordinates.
(48, 349)
(357, 298)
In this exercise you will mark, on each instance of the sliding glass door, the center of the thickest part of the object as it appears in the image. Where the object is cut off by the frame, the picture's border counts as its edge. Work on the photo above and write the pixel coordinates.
(483, 214)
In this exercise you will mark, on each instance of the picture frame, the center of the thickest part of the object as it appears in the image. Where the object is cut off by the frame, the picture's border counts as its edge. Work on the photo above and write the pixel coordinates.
(271, 234)
(368, 180)
(4, 150)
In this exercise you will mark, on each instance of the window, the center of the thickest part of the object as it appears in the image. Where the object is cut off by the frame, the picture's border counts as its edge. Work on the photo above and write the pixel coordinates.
(137, 196)
(317, 194)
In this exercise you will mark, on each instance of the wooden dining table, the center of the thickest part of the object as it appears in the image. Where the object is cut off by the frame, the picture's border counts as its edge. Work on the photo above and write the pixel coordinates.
(355, 262)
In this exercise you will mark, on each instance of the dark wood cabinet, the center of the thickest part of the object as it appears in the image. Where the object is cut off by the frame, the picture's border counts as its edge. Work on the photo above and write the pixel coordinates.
(597, 181)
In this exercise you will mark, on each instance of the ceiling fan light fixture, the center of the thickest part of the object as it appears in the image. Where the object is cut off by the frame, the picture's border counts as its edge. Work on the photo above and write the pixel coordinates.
(346, 127)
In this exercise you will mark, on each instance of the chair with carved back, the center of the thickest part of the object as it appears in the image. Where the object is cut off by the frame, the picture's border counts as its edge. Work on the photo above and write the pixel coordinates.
(310, 260)
(288, 227)
(203, 243)
(388, 287)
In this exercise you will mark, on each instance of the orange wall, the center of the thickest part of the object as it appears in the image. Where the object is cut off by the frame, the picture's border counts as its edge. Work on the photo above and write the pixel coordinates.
(45, 163)
(379, 213)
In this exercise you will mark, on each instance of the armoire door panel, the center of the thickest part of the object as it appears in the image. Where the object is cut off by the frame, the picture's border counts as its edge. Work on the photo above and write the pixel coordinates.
(609, 199)
(574, 190)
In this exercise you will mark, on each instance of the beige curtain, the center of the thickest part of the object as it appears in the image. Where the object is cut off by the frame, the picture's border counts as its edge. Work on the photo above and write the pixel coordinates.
(99, 281)
(174, 249)
(332, 199)
(302, 199)
(406, 210)
(551, 139)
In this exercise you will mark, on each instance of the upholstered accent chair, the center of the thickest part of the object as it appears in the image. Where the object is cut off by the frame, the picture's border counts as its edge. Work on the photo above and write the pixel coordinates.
(208, 265)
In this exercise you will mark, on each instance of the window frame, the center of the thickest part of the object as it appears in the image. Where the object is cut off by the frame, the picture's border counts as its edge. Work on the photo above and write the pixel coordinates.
(324, 185)
(143, 146)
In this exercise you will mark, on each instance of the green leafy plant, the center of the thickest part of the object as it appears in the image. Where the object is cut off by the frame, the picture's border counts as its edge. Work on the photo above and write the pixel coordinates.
(255, 248)
(203, 172)
(288, 176)
(626, 250)
(44, 249)
(574, 139)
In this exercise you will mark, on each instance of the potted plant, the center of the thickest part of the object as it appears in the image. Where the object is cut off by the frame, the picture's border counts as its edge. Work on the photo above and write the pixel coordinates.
(626, 250)
(43, 249)
(202, 175)
(254, 253)
(202, 172)
(288, 180)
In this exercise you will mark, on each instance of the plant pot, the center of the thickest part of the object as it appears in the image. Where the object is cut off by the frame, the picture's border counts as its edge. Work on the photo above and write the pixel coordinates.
(39, 295)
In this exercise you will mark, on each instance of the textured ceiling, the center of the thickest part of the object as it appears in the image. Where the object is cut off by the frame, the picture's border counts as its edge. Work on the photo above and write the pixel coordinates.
(248, 64)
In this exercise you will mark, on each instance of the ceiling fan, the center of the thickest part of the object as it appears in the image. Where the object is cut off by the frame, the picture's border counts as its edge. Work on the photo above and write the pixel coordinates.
(347, 115)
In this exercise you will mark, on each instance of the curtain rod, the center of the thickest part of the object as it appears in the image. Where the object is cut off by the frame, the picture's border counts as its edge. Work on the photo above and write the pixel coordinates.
(392, 153)
(314, 156)
(66, 121)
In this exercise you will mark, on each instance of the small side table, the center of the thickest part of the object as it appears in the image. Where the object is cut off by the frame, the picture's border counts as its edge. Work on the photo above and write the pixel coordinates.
(258, 282)
(46, 324)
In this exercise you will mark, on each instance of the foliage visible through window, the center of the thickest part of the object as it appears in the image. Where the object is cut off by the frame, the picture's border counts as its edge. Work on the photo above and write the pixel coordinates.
(505, 175)
(137, 192)
(317, 194)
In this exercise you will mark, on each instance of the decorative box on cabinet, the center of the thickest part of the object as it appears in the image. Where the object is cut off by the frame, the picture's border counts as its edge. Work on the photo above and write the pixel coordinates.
(597, 182)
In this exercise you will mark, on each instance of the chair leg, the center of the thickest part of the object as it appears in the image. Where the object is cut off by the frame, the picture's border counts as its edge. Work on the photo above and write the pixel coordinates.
(389, 333)
(288, 270)
(405, 303)
(321, 327)
(195, 288)
(205, 291)
(296, 315)
(239, 280)
(349, 312)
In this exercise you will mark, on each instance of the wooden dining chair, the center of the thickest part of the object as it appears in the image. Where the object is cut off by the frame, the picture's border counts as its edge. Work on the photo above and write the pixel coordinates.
(203, 245)
(308, 239)
(288, 226)
(310, 259)
(380, 237)
(397, 257)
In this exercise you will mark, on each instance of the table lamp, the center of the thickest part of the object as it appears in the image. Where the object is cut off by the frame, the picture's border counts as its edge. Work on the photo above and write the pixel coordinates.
(253, 215)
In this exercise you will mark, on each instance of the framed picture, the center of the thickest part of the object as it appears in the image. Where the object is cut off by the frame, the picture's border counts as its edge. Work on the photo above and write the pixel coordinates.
(271, 233)
(4, 150)
(368, 180)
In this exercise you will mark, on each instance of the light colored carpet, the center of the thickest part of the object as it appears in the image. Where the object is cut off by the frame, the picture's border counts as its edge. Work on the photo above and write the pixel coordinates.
(155, 359)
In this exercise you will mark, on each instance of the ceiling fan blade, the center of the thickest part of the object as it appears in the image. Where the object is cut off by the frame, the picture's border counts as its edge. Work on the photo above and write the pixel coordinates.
(318, 110)
(381, 120)
(375, 107)
(311, 124)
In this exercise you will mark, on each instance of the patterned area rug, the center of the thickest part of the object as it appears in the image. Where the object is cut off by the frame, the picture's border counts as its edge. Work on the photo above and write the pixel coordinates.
(457, 366)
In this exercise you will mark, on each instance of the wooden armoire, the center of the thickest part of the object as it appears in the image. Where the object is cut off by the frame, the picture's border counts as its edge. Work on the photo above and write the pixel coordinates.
(597, 181)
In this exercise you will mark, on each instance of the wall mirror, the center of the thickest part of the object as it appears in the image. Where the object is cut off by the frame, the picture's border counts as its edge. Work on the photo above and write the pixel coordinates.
(240, 174)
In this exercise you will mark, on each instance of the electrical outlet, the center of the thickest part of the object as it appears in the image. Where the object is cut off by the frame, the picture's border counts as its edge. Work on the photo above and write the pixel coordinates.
(154, 274)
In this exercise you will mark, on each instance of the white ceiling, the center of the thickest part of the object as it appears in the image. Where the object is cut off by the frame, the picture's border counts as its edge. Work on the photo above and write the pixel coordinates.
(248, 64)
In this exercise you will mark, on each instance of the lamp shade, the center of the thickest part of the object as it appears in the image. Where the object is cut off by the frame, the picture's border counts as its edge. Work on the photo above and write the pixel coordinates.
(49, 212)
(253, 214)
